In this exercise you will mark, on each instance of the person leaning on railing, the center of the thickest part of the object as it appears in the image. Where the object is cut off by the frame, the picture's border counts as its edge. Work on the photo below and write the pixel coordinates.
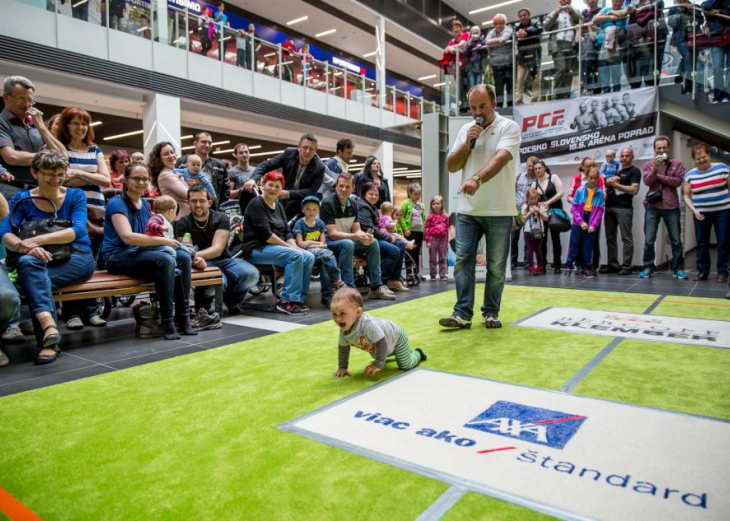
(718, 24)
(529, 54)
(499, 43)
(561, 46)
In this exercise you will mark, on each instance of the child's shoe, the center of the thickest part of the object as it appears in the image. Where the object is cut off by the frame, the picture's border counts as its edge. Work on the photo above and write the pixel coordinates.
(423, 355)
(567, 272)
(410, 245)
(588, 274)
(338, 284)
(534, 270)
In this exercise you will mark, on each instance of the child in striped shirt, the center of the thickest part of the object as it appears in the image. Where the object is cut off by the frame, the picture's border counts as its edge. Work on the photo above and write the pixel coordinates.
(377, 336)
(159, 224)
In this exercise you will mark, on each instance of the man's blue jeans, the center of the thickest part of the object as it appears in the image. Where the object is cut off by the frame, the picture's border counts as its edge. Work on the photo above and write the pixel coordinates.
(297, 266)
(345, 249)
(469, 232)
(238, 277)
(159, 266)
(652, 216)
(9, 301)
(391, 259)
(703, 230)
(38, 280)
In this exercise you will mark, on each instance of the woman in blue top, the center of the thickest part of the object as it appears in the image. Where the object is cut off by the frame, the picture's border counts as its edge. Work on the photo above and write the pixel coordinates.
(124, 230)
(38, 279)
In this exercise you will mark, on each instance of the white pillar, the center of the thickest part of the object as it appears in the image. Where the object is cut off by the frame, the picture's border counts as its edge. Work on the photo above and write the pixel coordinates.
(380, 60)
(161, 121)
(162, 22)
(384, 153)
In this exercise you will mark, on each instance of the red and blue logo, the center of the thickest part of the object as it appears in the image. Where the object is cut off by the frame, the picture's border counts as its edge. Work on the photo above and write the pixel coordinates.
(532, 424)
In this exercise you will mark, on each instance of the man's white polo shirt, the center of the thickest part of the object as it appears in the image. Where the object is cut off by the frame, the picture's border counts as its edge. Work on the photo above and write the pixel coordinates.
(496, 197)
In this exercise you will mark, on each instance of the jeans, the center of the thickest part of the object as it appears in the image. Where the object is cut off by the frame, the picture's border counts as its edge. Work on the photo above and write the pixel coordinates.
(581, 242)
(469, 231)
(720, 61)
(297, 266)
(474, 78)
(503, 81)
(391, 259)
(346, 249)
(610, 73)
(238, 277)
(81, 12)
(652, 217)
(9, 301)
(619, 219)
(241, 58)
(161, 268)
(329, 273)
(39, 280)
(85, 308)
(721, 222)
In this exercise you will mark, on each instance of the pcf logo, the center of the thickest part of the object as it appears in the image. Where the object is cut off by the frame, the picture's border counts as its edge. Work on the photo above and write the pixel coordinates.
(545, 120)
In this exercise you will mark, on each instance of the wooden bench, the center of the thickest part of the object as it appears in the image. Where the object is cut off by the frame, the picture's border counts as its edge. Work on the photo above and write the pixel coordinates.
(104, 284)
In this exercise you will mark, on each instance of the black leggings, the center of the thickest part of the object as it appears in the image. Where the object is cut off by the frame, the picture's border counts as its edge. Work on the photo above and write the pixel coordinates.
(557, 250)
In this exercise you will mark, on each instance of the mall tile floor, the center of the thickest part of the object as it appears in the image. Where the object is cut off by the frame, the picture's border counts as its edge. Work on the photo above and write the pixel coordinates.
(96, 351)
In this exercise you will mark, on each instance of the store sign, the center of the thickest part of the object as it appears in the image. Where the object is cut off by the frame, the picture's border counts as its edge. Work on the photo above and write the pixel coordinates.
(187, 4)
(356, 69)
(573, 457)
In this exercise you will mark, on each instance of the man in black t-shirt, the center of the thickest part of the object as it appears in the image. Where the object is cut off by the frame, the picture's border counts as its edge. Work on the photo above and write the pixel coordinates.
(620, 192)
(209, 231)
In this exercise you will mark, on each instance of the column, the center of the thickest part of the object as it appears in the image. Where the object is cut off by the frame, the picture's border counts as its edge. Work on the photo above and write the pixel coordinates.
(384, 153)
(160, 9)
(380, 60)
(161, 121)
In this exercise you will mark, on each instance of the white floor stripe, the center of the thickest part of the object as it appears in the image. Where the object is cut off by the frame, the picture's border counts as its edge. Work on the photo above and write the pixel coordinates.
(442, 505)
(262, 323)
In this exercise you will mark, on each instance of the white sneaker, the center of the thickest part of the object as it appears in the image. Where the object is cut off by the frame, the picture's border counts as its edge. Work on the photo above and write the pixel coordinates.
(382, 293)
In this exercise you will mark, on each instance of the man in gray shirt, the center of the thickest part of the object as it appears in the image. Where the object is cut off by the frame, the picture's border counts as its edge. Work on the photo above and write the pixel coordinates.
(239, 174)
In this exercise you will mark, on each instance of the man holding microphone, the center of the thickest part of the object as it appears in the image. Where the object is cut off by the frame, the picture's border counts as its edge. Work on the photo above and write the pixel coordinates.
(486, 153)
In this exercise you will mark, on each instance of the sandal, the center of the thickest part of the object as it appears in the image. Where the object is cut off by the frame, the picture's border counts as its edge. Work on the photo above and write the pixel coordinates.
(52, 339)
(47, 359)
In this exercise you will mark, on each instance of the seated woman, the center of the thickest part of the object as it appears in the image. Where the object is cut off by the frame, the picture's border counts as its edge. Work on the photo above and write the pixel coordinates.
(162, 171)
(124, 252)
(392, 252)
(38, 275)
(267, 239)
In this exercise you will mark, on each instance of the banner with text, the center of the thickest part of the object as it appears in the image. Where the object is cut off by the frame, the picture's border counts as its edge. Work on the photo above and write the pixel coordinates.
(565, 131)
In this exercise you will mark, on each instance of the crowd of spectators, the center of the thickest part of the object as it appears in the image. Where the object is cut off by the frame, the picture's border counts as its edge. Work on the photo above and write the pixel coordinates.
(621, 44)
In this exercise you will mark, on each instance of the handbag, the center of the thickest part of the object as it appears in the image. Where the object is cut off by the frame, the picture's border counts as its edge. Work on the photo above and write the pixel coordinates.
(95, 222)
(28, 229)
(655, 196)
(558, 220)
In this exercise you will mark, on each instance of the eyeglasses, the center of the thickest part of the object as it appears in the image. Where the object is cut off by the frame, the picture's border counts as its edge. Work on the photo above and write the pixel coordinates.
(140, 179)
(53, 176)
(21, 99)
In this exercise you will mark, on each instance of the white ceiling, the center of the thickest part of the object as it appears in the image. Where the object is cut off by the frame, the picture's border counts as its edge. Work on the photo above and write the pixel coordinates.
(348, 38)
(536, 7)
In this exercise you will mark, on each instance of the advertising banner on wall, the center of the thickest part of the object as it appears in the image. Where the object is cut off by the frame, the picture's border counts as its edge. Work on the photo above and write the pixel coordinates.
(565, 131)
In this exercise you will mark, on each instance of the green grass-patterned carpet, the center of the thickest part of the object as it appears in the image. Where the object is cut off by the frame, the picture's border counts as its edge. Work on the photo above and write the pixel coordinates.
(195, 437)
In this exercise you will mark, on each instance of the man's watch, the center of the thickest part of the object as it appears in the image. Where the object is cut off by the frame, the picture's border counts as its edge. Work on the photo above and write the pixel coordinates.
(476, 178)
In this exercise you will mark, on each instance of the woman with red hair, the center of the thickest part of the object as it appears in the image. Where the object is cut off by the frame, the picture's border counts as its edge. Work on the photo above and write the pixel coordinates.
(87, 170)
(268, 239)
(118, 161)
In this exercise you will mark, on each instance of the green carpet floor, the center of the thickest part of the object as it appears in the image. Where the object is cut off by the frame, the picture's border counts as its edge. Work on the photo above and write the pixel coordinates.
(195, 437)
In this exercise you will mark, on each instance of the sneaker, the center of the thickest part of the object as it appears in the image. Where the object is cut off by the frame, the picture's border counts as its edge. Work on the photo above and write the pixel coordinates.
(588, 274)
(396, 285)
(207, 322)
(12, 335)
(568, 272)
(304, 308)
(423, 355)
(4, 360)
(646, 273)
(338, 284)
(75, 324)
(534, 270)
(381, 292)
(97, 321)
(455, 321)
(624, 271)
(326, 302)
(444, 279)
(681, 275)
(492, 322)
(289, 308)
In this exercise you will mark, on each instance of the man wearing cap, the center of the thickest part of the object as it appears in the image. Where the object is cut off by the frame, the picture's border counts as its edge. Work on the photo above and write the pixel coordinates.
(209, 231)
(310, 232)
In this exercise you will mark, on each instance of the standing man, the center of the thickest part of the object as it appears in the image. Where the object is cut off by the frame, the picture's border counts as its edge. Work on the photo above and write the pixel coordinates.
(242, 172)
(303, 174)
(336, 165)
(662, 176)
(22, 134)
(620, 192)
(589, 50)
(346, 239)
(524, 180)
(486, 207)
(215, 169)
(209, 231)
(562, 46)
(529, 55)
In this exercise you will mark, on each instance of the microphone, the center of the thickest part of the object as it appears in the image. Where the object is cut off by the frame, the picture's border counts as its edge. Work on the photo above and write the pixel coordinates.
(479, 121)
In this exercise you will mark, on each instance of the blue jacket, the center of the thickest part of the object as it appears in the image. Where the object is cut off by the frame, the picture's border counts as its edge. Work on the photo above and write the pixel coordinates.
(715, 24)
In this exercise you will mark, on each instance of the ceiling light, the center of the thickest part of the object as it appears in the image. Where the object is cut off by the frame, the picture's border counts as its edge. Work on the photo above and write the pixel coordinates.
(495, 6)
(400, 169)
(136, 132)
(82, 2)
(190, 147)
(368, 55)
(439, 84)
(325, 33)
(254, 147)
(267, 153)
(189, 136)
(413, 176)
(353, 160)
(297, 20)
(429, 77)
(488, 22)
(95, 124)
(224, 151)
(220, 143)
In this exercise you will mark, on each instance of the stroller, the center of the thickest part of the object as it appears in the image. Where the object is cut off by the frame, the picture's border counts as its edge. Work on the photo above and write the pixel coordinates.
(412, 276)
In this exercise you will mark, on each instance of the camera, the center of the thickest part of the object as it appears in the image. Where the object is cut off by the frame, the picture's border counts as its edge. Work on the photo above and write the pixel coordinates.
(663, 157)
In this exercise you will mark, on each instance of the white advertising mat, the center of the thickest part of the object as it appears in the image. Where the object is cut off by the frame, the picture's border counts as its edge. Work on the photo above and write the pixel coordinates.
(676, 330)
(570, 456)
